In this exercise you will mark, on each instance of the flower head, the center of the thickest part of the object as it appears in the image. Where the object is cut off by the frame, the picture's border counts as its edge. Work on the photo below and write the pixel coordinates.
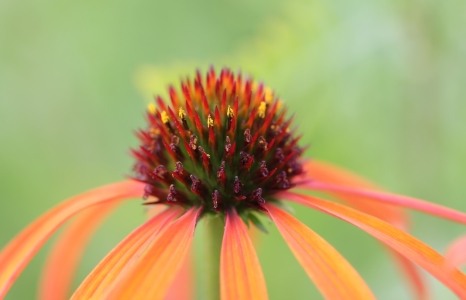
(224, 148)
(228, 145)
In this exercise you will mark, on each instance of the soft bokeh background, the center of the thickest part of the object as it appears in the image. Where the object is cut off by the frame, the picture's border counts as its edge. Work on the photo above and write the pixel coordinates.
(378, 87)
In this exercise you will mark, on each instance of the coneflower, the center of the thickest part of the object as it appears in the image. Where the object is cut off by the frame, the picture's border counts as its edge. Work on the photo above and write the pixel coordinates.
(224, 149)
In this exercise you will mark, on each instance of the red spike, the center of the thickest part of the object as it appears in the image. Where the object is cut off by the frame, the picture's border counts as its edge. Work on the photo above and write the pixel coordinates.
(233, 90)
(259, 91)
(247, 87)
(261, 180)
(235, 106)
(178, 125)
(147, 153)
(199, 127)
(197, 187)
(248, 97)
(233, 126)
(190, 151)
(138, 155)
(287, 159)
(270, 146)
(252, 116)
(198, 76)
(205, 103)
(189, 112)
(239, 82)
(268, 119)
(221, 175)
(253, 141)
(229, 148)
(217, 87)
(174, 97)
(169, 150)
(197, 91)
(281, 116)
(161, 103)
(245, 161)
(205, 160)
(186, 93)
(153, 118)
(188, 85)
(217, 120)
(212, 140)
(222, 76)
(163, 131)
(210, 80)
(181, 174)
(231, 78)
(223, 105)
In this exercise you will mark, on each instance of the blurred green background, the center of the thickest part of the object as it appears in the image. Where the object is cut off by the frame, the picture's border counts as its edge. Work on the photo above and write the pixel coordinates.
(378, 87)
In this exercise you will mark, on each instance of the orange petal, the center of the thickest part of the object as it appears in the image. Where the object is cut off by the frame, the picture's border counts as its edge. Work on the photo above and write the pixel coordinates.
(456, 252)
(15, 256)
(411, 272)
(405, 244)
(403, 201)
(330, 174)
(182, 287)
(65, 254)
(155, 270)
(240, 272)
(332, 274)
(105, 273)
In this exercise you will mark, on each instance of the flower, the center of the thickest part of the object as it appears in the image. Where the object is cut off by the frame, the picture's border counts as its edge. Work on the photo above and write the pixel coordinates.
(227, 153)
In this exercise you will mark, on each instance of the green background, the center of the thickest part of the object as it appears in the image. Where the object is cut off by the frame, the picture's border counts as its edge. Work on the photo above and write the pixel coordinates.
(378, 87)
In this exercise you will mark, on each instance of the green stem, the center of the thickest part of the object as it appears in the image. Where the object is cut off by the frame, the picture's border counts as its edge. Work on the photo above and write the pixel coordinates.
(214, 236)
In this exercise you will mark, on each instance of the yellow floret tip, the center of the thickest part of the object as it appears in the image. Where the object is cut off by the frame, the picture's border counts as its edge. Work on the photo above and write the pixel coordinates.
(151, 108)
(262, 108)
(165, 117)
(230, 112)
(181, 113)
(210, 121)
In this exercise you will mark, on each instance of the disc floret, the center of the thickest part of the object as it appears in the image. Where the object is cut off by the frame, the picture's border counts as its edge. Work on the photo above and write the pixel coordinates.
(229, 144)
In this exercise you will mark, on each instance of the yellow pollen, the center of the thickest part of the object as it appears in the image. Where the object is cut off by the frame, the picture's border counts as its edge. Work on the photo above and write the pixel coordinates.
(268, 95)
(210, 121)
(262, 108)
(151, 108)
(165, 117)
(230, 112)
(181, 113)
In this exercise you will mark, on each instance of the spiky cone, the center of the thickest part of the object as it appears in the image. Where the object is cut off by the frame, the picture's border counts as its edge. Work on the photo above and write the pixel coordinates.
(223, 146)
(228, 146)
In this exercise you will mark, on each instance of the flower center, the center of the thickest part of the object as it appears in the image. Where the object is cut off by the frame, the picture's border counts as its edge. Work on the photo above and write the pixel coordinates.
(226, 142)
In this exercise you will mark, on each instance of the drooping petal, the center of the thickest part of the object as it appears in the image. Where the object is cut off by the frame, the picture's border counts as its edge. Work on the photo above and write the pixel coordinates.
(411, 272)
(155, 270)
(405, 244)
(113, 263)
(332, 274)
(240, 272)
(65, 254)
(402, 201)
(15, 256)
(329, 174)
(456, 252)
(182, 287)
